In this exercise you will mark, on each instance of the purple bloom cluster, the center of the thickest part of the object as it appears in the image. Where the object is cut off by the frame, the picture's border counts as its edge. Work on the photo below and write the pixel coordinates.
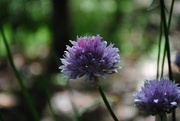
(158, 97)
(177, 60)
(89, 56)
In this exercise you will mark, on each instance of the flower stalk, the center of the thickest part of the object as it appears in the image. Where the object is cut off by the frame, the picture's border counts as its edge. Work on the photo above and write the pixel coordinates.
(161, 117)
(167, 45)
(107, 103)
(166, 33)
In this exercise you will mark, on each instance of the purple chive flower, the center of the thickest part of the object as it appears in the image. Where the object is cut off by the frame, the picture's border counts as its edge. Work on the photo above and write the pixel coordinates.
(158, 97)
(89, 56)
(177, 60)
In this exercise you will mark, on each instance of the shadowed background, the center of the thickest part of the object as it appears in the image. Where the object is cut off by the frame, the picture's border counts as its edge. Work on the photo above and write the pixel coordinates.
(38, 32)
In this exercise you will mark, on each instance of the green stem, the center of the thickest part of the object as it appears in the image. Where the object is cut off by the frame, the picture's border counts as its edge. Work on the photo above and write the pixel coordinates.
(50, 106)
(167, 46)
(166, 33)
(107, 103)
(170, 14)
(161, 118)
(169, 23)
(164, 55)
(20, 81)
(76, 113)
(159, 49)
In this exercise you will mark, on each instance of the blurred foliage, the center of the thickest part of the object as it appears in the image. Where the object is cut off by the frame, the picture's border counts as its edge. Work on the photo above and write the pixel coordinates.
(124, 22)
(28, 29)
(26, 24)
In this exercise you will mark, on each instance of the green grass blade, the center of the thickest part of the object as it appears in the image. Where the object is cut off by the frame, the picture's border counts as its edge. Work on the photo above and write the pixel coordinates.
(20, 81)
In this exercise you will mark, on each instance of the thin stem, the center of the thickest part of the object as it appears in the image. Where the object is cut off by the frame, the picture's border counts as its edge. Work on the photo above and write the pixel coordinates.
(46, 89)
(107, 103)
(170, 14)
(169, 23)
(167, 46)
(76, 113)
(20, 81)
(162, 67)
(50, 106)
(166, 33)
(159, 49)
(160, 117)
(165, 49)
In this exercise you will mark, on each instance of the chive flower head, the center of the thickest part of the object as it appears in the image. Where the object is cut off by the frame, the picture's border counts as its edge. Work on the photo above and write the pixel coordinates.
(90, 57)
(158, 97)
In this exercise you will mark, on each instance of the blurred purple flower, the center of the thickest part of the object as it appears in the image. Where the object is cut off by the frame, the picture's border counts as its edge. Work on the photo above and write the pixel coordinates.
(158, 97)
(91, 57)
(177, 60)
